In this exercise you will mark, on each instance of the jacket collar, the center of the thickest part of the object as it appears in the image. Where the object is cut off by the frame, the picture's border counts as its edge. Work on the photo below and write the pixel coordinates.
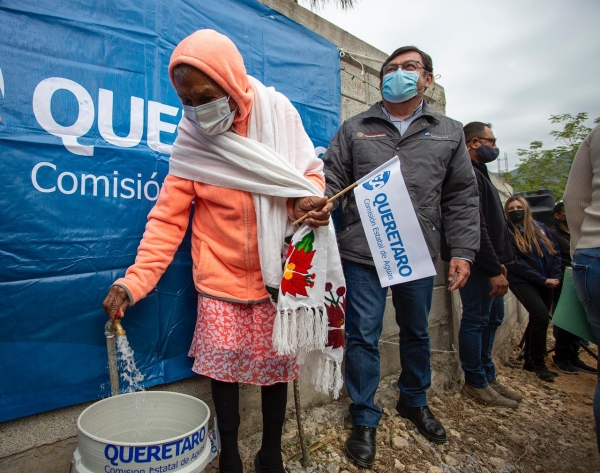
(559, 229)
(480, 167)
(376, 111)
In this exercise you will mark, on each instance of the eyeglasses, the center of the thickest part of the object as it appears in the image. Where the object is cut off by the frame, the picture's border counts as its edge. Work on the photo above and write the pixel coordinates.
(491, 140)
(406, 66)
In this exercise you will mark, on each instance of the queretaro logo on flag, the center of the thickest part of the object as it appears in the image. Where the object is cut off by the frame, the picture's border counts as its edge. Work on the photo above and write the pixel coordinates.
(378, 181)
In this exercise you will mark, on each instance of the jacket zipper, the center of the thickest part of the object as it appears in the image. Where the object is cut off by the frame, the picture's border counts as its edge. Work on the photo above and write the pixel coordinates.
(248, 239)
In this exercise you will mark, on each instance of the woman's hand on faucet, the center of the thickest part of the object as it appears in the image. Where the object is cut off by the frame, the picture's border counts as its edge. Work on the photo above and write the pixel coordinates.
(116, 302)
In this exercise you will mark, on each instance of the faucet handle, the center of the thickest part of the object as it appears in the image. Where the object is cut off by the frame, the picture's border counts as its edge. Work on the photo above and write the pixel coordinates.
(117, 326)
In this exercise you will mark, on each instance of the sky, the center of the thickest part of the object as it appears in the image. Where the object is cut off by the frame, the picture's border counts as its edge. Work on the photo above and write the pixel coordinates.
(512, 63)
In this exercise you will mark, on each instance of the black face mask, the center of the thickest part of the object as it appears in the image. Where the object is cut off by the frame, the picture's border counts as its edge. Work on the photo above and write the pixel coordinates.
(516, 216)
(487, 154)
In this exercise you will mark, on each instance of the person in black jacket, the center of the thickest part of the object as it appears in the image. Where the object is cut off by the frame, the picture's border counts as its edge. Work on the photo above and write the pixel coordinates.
(533, 276)
(482, 314)
(566, 350)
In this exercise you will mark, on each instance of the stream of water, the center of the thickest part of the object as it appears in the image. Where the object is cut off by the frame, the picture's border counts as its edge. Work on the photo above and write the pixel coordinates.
(130, 375)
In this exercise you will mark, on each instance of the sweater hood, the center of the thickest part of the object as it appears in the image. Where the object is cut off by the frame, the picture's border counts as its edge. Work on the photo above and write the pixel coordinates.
(217, 56)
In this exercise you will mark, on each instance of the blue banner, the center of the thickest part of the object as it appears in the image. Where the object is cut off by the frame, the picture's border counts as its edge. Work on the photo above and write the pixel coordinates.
(88, 117)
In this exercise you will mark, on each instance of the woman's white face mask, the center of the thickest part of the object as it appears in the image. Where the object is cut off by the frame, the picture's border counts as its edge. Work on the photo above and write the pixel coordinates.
(211, 118)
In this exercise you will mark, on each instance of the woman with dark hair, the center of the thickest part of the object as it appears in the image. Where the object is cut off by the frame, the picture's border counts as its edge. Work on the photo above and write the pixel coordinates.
(532, 278)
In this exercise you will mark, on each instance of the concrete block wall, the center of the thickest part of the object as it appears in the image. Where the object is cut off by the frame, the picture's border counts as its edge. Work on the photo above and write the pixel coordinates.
(44, 443)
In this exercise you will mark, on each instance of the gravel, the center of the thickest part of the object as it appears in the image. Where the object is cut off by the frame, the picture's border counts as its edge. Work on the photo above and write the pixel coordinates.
(551, 431)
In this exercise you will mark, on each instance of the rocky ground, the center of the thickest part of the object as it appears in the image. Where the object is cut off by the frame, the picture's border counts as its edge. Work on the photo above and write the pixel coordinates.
(551, 431)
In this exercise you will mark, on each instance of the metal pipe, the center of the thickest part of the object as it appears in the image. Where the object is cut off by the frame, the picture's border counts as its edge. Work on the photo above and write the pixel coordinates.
(111, 347)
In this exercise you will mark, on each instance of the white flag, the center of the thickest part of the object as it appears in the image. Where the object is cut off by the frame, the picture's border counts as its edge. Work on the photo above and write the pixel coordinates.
(395, 238)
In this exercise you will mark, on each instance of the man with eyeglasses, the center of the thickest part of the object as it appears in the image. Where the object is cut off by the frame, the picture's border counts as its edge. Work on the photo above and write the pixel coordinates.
(442, 188)
(483, 306)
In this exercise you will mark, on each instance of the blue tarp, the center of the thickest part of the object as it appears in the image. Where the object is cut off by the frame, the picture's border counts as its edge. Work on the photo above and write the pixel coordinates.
(87, 120)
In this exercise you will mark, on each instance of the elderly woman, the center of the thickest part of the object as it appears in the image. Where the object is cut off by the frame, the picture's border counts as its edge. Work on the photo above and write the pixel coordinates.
(244, 161)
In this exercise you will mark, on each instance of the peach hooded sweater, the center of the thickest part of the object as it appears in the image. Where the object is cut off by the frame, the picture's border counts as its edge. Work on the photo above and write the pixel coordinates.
(224, 230)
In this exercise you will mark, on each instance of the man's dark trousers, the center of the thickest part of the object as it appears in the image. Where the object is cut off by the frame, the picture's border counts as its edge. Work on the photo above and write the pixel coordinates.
(481, 317)
(365, 306)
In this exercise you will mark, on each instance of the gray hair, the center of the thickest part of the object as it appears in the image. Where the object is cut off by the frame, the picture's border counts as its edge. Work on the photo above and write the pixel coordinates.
(181, 70)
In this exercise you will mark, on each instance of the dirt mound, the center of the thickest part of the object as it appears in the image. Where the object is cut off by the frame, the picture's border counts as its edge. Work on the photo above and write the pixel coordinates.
(551, 431)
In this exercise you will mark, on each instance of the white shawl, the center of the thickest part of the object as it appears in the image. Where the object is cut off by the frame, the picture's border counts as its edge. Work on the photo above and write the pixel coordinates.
(271, 164)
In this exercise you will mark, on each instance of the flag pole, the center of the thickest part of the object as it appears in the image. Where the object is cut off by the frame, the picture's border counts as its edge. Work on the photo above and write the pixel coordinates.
(349, 188)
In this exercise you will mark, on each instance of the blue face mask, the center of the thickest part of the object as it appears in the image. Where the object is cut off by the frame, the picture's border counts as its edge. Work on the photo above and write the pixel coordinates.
(399, 86)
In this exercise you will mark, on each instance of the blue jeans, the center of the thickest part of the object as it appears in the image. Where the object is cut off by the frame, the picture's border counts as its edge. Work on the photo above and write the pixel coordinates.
(481, 317)
(365, 307)
(586, 277)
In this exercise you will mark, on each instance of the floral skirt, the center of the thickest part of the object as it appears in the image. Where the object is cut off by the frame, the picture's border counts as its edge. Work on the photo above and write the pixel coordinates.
(232, 343)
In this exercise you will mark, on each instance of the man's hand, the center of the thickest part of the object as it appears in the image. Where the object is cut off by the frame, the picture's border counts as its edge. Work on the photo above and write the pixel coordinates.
(317, 208)
(552, 283)
(504, 271)
(458, 273)
(499, 286)
(116, 301)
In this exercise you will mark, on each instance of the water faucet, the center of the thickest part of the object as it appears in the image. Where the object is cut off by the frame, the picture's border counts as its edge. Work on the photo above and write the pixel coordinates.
(113, 328)
(117, 327)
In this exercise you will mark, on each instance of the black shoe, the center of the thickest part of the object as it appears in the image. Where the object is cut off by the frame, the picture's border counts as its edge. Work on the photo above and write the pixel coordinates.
(360, 446)
(581, 366)
(261, 469)
(544, 373)
(425, 422)
(528, 365)
(565, 366)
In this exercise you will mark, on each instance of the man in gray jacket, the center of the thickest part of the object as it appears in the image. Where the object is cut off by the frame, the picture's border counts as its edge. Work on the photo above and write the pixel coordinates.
(438, 174)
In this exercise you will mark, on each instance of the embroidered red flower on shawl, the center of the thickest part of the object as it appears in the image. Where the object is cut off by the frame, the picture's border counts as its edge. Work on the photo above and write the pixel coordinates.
(335, 338)
(336, 310)
(296, 271)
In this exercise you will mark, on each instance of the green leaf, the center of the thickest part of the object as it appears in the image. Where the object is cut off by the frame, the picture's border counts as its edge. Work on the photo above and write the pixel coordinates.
(306, 243)
(273, 293)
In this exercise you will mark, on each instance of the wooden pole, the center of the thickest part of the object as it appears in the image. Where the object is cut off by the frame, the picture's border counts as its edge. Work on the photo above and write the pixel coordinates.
(303, 447)
(349, 188)
(305, 456)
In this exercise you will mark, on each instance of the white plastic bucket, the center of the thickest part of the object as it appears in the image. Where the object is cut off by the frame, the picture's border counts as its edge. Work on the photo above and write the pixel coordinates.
(143, 432)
